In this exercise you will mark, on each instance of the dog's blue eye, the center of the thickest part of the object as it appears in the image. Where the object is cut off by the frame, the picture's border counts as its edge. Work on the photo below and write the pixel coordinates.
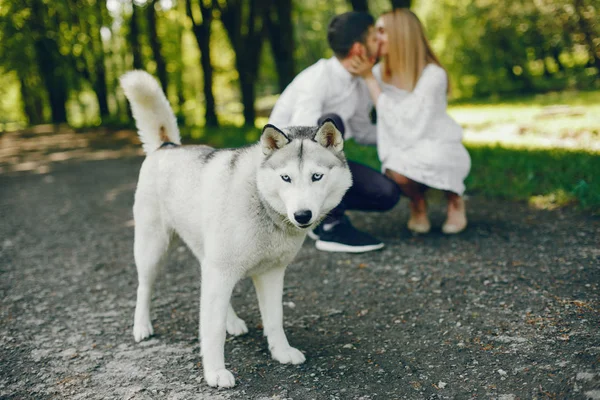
(317, 177)
(286, 178)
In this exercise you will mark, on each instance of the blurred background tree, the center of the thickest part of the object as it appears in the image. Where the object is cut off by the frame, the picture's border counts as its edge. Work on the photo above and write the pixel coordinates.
(224, 61)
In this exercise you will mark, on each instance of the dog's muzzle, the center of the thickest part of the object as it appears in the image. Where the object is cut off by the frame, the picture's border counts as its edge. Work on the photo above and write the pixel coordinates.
(303, 217)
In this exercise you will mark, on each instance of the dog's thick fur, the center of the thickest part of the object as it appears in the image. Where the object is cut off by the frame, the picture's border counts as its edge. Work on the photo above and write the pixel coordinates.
(243, 212)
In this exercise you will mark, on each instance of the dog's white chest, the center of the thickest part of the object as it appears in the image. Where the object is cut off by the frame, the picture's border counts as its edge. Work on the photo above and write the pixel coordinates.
(275, 251)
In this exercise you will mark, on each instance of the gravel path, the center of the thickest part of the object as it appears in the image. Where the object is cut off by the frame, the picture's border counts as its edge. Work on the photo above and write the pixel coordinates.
(510, 309)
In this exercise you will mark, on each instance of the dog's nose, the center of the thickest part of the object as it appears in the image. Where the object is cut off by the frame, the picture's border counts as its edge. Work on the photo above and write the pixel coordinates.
(303, 216)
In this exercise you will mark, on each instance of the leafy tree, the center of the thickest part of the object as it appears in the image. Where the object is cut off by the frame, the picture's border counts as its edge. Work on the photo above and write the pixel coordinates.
(513, 46)
(87, 49)
(59, 52)
(587, 18)
(17, 54)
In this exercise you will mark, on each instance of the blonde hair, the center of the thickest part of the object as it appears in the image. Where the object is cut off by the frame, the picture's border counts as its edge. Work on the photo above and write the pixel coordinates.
(409, 51)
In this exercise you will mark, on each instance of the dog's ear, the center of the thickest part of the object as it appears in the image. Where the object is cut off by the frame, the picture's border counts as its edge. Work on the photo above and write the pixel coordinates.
(329, 136)
(272, 139)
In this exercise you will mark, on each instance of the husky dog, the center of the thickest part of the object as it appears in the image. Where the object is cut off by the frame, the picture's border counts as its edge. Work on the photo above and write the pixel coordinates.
(242, 212)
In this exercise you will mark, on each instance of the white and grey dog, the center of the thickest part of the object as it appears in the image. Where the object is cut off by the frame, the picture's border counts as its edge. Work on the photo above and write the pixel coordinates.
(242, 212)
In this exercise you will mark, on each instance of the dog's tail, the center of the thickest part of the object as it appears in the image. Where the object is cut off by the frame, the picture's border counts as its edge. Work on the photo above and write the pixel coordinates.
(153, 115)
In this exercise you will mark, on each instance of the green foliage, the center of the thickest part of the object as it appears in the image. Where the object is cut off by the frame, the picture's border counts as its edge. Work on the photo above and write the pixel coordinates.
(55, 49)
(489, 47)
(226, 136)
(524, 173)
(493, 50)
(11, 111)
(565, 115)
(515, 46)
(546, 177)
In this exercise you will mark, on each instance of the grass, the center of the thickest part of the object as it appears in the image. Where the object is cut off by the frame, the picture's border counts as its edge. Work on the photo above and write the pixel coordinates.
(546, 178)
(559, 115)
(523, 170)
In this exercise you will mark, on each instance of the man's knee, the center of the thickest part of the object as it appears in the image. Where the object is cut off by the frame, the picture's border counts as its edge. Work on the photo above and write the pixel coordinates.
(386, 191)
(390, 195)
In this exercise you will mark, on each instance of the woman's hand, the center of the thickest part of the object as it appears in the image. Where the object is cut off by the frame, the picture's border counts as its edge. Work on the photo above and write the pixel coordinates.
(361, 65)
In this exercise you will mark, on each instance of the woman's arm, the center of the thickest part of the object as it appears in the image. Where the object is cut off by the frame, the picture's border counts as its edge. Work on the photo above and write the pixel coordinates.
(373, 86)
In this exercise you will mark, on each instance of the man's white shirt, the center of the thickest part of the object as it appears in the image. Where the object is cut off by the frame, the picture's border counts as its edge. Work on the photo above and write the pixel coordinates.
(327, 87)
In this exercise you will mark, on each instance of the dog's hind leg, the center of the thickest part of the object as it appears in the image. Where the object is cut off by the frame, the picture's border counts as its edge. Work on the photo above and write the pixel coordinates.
(235, 325)
(151, 244)
(269, 290)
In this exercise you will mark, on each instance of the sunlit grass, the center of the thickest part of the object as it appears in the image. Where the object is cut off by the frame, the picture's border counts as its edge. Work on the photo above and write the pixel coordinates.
(552, 200)
(512, 156)
(560, 176)
(223, 137)
(545, 178)
(560, 115)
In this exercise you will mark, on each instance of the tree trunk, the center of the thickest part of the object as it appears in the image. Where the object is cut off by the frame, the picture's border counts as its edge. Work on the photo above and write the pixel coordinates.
(53, 78)
(207, 71)
(179, 70)
(134, 38)
(161, 66)
(202, 35)
(33, 105)
(281, 37)
(49, 61)
(587, 30)
(360, 5)
(248, 97)
(246, 38)
(555, 51)
(401, 3)
(117, 56)
(100, 87)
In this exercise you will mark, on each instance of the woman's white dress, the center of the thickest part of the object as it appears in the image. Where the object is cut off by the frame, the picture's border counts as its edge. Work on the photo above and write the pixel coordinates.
(415, 135)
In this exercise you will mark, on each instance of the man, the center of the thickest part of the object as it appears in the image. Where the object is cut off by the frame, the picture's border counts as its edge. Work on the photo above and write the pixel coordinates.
(327, 89)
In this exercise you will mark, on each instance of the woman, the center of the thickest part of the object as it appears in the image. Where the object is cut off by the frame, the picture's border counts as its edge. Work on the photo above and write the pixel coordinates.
(419, 144)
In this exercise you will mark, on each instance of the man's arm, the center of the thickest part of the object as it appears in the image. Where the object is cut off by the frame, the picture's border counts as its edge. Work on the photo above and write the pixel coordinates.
(308, 106)
(362, 128)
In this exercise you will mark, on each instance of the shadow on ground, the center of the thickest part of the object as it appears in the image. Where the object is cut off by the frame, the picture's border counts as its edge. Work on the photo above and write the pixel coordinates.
(507, 310)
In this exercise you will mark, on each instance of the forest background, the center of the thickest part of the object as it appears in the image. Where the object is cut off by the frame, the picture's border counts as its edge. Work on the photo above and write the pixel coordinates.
(519, 69)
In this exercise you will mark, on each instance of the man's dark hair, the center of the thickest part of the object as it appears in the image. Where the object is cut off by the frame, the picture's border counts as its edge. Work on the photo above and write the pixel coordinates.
(346, 29)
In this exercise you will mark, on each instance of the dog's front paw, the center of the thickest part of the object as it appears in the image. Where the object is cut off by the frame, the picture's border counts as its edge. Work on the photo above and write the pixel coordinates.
(236, 326)
(288, 355)
(219, 378)
(142, 331)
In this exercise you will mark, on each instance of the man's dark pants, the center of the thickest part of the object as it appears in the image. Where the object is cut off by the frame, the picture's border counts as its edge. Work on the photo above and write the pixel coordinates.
(370, 190)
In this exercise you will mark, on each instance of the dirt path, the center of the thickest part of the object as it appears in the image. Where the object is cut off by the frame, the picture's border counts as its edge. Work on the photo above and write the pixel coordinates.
(510, 309)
